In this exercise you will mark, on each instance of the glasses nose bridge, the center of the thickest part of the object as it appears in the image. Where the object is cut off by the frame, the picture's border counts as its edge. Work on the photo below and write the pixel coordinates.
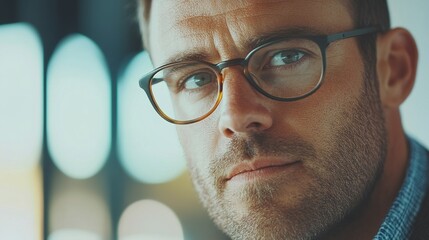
(232, 62)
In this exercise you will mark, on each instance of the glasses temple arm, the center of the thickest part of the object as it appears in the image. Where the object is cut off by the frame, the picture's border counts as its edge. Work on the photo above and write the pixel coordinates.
(157, 80)
(353, 33)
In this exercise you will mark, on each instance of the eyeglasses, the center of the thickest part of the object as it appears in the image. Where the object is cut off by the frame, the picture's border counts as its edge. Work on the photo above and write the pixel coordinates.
(285, 69)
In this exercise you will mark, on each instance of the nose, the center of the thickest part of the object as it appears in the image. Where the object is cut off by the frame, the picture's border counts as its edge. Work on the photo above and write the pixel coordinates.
(243, 109)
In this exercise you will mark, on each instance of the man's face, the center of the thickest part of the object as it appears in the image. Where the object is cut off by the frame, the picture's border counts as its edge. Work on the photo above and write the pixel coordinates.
(266, 169)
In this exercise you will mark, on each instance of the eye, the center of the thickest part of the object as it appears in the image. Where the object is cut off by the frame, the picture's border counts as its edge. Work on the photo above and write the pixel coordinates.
(198, 80)
(286, 57)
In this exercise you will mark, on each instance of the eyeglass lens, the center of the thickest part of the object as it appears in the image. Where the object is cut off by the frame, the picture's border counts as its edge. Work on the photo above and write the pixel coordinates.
(286, 69)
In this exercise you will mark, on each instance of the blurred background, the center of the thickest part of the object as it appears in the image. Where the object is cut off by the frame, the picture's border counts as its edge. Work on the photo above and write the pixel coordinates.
(82, 153)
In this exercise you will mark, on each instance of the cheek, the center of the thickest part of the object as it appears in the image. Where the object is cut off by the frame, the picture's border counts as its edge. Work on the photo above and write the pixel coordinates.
(318, 117)
(198, 142)
(344, 73)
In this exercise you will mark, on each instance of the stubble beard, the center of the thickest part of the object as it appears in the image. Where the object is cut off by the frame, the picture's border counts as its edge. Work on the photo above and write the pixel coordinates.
(343, 175)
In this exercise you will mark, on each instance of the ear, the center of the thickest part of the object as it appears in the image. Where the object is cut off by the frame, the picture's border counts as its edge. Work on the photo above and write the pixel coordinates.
(396, 66)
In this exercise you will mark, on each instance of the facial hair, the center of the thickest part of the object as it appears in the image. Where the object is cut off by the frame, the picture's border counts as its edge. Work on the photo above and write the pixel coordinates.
(341, 174)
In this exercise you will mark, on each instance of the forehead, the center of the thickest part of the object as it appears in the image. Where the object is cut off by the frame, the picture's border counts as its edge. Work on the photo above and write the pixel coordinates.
(211, 27)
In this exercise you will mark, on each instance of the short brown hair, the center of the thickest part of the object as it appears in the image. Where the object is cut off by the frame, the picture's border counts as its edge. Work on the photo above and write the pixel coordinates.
(369, 13)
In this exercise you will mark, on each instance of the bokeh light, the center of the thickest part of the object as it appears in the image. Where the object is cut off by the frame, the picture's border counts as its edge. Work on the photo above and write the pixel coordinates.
(78, 107)
(21, 204)
(78, 209)
(73, 234)
(21, 121)
(149, 220)
(21, 96)
(148, 146)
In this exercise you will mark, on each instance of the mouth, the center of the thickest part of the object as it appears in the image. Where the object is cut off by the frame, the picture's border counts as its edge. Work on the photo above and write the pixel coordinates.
(259, 169)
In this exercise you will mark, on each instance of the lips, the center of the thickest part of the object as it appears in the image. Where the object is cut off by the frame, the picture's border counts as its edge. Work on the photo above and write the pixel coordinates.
(256, 165)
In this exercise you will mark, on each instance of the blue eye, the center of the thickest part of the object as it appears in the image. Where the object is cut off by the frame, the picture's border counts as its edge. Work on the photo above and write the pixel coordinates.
(198, 80)
(286, 57)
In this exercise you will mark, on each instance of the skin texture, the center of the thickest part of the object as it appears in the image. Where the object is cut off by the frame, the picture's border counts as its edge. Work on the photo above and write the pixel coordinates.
(346, 140)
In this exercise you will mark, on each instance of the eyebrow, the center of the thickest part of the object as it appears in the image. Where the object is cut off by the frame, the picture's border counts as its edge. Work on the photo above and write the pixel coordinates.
(266, 37)
(250, 43)
(186, 56)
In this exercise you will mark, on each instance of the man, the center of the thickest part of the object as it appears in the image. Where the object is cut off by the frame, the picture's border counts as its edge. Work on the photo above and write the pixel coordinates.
(288, 113)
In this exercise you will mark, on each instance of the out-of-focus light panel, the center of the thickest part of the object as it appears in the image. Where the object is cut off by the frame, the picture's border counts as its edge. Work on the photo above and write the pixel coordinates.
(148, 146)
(73, 234)
(78, 107)
(78, 210)
(21, 96)
(149, 220)
(21, 204)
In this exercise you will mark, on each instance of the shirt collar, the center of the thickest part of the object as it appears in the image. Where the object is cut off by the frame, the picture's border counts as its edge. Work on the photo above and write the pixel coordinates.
(400, 218)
